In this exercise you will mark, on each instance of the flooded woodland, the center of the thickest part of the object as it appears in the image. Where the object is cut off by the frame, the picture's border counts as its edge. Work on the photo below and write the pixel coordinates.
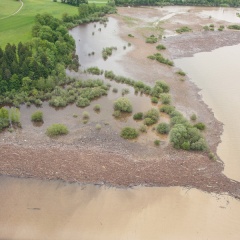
(92, 184)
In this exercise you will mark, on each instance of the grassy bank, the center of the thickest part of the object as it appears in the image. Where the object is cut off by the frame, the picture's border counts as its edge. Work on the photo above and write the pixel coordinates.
(18, 27)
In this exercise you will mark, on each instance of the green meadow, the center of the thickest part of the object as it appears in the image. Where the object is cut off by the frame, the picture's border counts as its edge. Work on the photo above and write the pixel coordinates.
(18, 27)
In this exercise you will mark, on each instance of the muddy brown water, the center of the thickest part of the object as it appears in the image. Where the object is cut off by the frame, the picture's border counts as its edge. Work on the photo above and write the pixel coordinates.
(33, 209)
(217, 74)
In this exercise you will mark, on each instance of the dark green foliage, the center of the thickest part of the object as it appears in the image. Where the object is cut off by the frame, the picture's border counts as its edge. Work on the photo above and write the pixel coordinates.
(160, 47)
(107, 52)
(117, 114)
(151, 117)
(187, 138)
(94, 70)
(130, 35)
(56, 130)
(157, 142)
(97, 108)
(161, 59)
(129, 133)
(123, 104)
(138, 116)
(183, 29)
(181, 73)
(82, 102)
(4, 118)
(163, 128)
(235, 27)
(154, 100)
(201, 126)
(151, 39)
(37, 116)
(193, 117)
(165, 98)
(167, 109)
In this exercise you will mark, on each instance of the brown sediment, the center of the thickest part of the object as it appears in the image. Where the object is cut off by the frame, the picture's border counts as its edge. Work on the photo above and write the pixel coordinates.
(108, 159)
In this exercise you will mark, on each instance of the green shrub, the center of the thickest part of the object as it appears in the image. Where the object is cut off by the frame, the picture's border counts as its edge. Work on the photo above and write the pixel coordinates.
(123, 104)
(167, 109)
(117, 114)
(181, 73)
(56, 130)
(193, 117)
(161, 59)
(157, 142)
(115, 90)
(178, 119)
(163, 128)
(125, 91)
(138, 116)
(201, 126)
(165, 98)
(183, 29)
(160, 47)
(129, 133)
(97, 108)
(187, 138)
(94, 70)
(130, 35)
(151, 39)
(98, 126)
(14, 115)
(143, 128)
(154, 100)
(85, 115)
(235, 27)
(58, 101)
(151, 117)
(82, 102)
(37, 116)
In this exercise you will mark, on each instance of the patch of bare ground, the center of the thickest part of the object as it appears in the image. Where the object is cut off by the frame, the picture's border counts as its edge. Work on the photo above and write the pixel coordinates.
(104, 158)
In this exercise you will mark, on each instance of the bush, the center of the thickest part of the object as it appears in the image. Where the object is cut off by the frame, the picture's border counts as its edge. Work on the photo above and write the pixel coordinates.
(160, 47)
(167, 109)
(187, 138)
(82, 102)
(151, 117)
(201, 126)
(115, 90)
(157, 142)
(58, 101)
(98, 126)
(130, 35)
(56, 130)
(85, 115)
(181, 73)
(151, 39)
(163, 128)
(143, 128)
(123, 104)
(97, 108)
(193, 117)
(154, 100)
(138, 116)
(165, 98)
(129, 133)
(161, 59)
(37, 116)
(235, 27)
(94, 70)
(117, 114)
(183, 29)
(14, 115)
(125, 91)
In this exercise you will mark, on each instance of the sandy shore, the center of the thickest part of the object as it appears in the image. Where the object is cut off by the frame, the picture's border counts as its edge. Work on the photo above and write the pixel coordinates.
(108, 159)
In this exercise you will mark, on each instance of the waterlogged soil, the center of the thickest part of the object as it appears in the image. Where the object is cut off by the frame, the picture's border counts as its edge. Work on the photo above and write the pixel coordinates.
(89, 155)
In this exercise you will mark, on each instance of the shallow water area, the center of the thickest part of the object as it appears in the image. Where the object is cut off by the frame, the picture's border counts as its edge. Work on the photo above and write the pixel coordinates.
(34, 209)
(217, 74)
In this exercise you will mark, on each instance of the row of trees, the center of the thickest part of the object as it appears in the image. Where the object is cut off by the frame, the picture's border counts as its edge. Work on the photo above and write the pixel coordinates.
(231, 3)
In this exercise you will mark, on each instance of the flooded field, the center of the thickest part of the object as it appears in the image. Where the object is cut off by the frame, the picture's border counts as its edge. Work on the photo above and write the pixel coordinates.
(36, 209)
(33, 209)
(217, 74)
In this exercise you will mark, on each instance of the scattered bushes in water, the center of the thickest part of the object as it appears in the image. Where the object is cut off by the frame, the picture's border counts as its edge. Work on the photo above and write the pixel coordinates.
(161, 59)
(183, 29)
(56, 130)
(97, 108)
(163, 128)
(201, 126)
(123, 104)
(82, 102)
(138, 116)
(187, 138)
(151, 39)
(160, 47)
(165, 98)
(37, 116)
(107, 52)
(129, 133)
(151, 117)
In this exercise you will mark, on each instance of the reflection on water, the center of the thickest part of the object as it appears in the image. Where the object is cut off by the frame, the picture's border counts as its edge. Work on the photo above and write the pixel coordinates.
(32, 209)
(217, 74)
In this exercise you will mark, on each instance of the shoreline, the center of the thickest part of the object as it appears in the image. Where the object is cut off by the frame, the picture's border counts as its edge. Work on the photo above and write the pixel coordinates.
(87, 161)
